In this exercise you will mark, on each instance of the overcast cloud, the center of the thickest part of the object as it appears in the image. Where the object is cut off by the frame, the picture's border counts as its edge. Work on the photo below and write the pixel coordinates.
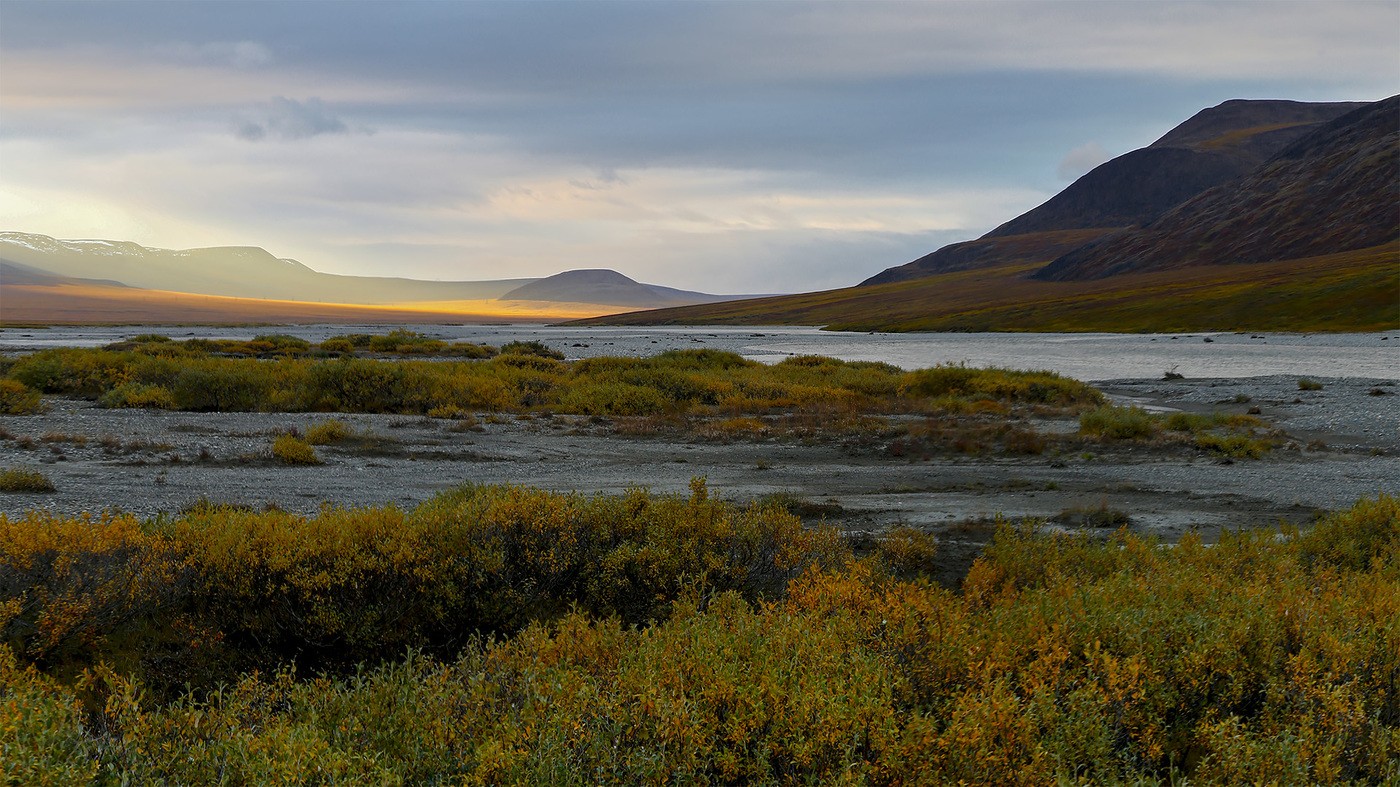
(727, 146)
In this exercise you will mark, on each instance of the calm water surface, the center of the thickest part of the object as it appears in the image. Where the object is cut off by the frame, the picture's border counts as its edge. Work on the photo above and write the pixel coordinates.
(1088, 356)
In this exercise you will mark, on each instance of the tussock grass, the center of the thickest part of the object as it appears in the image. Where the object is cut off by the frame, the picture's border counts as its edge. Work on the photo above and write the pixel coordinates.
(328, 432)
(1234, 436)
(291, 450)
(17, 480)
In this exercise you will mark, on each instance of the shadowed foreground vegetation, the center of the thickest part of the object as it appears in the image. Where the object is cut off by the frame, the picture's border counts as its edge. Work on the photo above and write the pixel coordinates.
(203, 375)
(642, 639)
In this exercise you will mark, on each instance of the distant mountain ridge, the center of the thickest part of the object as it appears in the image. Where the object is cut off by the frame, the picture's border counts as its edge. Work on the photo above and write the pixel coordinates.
(236, 271)
(606, 286)
(252, 272)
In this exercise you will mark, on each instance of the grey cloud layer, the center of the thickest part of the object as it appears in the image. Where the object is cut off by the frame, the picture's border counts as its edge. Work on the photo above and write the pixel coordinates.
(775, 142)
(290, 119)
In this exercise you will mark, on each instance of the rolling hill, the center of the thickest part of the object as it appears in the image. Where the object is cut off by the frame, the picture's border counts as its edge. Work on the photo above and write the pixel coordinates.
(45, 279)
(606, 286)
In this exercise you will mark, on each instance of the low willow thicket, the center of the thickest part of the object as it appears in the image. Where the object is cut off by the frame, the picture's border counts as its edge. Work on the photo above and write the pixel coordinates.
(1238, 435)
(195, 598)
(197, 375)
(770, 656)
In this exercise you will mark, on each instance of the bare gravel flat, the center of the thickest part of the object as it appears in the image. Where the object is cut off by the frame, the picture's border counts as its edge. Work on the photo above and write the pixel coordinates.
(1344, 444)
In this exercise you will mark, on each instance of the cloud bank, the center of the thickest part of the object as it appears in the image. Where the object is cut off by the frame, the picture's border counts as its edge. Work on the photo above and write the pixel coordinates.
(740, 147)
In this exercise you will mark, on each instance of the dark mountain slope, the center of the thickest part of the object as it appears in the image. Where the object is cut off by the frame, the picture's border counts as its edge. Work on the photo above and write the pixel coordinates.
(1236, 123)
(1215, 146)
(1035, 247)
(1333, 190)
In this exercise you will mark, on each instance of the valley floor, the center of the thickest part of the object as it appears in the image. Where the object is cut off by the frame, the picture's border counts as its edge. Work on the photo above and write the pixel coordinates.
(1342, 444)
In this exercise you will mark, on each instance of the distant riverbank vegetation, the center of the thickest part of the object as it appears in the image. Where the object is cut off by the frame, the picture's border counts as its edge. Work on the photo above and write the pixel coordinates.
(286, 374)
(508, 635)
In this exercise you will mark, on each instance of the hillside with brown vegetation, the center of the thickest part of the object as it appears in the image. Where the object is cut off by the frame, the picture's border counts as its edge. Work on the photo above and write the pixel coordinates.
(1352, 291)
(1335, 190)
(1317, 220)
(1215, 146)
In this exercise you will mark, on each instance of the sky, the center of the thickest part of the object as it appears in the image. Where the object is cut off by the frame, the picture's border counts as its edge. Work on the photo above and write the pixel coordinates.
(728, 147)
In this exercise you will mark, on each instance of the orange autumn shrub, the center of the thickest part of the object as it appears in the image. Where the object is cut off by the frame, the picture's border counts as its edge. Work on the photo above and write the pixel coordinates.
(1266, 658)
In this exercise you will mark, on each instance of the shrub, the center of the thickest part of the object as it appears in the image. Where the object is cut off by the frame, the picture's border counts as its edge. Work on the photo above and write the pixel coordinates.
(15, 480)
(1111, 422)
(337, 344)
(1306, 384)
(293, 451)
(405, 342)
(908, 553)
(137, 395)
(535, 348)
(17, 399)
(1236, 446)
(1266, 658)
(328, 432)
(620, 399)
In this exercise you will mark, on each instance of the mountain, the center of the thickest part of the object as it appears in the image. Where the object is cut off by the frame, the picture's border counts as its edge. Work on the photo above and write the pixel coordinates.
(22, 275)
(1316, 217)
(235, 271)
(606, 286)
(1213, 147)
(1332, 190)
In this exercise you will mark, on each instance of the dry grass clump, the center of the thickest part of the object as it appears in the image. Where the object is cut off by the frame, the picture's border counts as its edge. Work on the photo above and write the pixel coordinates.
(1306, 384)
(17, 480)
(328, 432)
(966, 436)
(1234, 436)
(291, 450)
(1111, 422)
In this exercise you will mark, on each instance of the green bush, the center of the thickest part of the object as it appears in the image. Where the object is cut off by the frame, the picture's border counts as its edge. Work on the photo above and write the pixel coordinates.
(291, 450)
(535, 348)
(338, 345)
(1111, 422)
(328, 432)
(17, 399)
(16, 480)
(137, 395)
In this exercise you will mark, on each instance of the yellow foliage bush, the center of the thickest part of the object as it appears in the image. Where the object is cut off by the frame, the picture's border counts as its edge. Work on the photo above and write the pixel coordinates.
(293, 451)
(1269, 657)
(16, 398)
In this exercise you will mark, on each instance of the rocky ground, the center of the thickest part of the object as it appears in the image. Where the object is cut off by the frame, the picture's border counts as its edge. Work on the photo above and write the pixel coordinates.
(1342, 443)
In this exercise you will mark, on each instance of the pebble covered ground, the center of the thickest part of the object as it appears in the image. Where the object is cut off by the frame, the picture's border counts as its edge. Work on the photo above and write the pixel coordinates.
(1344, 443)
